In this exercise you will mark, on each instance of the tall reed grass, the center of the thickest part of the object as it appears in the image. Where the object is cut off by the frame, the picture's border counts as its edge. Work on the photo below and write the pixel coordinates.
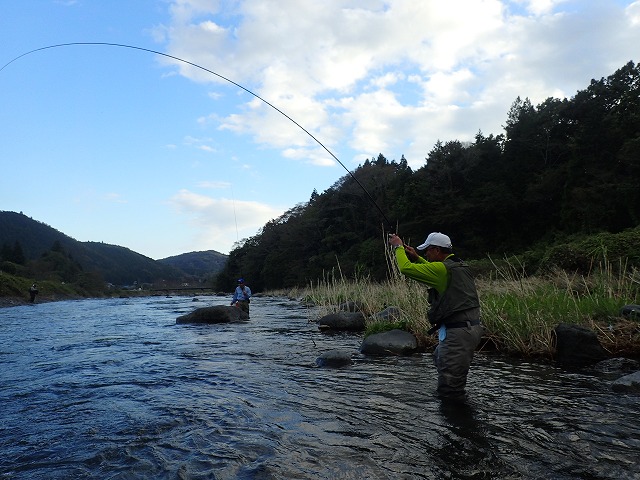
(519, 312)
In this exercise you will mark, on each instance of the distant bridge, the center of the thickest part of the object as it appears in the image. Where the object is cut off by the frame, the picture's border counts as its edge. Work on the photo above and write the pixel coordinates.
(178, 289)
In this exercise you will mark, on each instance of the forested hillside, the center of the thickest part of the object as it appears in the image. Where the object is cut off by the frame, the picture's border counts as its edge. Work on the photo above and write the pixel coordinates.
(560, 169)
(202, 265)
(35, 250)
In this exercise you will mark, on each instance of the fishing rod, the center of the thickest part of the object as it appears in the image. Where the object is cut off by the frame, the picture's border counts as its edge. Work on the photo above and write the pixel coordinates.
(133, 47)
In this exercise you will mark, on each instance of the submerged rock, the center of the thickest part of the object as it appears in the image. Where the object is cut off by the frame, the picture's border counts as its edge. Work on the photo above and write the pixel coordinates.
(334, 358)
(393, 342)
(215, 314)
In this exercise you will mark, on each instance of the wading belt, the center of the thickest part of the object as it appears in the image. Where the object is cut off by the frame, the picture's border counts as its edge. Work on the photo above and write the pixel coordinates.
(461, 320)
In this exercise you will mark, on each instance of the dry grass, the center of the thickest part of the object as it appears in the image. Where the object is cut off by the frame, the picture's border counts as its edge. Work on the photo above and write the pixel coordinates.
(519, 313)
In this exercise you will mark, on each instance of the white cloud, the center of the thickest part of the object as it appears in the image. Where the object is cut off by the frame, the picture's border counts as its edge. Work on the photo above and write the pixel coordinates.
(203, 144)
(541, 7)
(633, 13)
(396, 76)
(217, 220)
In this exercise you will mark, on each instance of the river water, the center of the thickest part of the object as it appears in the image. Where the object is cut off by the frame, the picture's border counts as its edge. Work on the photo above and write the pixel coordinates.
(114, 389)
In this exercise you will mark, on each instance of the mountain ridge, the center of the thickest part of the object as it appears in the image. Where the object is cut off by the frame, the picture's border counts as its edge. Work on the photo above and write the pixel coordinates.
(118, 265)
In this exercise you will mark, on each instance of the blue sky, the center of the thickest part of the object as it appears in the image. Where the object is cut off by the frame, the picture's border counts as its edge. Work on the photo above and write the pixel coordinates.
(129, 148)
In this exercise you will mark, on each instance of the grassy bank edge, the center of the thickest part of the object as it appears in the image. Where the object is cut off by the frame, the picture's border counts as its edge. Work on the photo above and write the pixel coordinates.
(519, 312)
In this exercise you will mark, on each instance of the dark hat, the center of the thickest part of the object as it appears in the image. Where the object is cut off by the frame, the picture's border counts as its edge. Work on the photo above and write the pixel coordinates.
(241, 280)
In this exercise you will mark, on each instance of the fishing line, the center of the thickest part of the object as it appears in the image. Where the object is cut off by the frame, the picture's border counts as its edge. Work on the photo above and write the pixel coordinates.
(133, 47)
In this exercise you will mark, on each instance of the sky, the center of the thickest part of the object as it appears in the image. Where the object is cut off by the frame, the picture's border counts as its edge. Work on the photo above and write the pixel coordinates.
(123, 146)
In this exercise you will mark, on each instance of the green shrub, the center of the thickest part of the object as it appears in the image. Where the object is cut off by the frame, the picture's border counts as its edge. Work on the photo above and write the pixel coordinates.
(583, 254)
(12, 286)
(12, 268)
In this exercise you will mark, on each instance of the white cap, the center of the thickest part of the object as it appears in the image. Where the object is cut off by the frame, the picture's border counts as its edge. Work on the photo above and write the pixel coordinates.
(436, 239)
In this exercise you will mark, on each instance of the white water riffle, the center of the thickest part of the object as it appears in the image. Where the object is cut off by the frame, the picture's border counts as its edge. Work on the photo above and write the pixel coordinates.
(115, 389)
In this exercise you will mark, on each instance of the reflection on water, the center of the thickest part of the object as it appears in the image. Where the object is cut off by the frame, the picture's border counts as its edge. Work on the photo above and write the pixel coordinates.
(115, 389)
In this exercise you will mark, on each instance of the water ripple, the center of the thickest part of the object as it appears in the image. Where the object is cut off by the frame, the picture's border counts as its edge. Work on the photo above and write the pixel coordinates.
(115, 389)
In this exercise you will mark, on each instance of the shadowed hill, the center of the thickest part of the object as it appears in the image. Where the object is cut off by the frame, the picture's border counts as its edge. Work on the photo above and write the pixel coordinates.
(203, 265)
(117, 265)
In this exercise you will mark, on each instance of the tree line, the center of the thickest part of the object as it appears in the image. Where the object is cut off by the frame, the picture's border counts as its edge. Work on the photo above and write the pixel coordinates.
(562, 168)
(55, 264)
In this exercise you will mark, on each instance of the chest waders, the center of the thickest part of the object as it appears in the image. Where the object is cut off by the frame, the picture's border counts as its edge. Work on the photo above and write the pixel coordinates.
(458, 305)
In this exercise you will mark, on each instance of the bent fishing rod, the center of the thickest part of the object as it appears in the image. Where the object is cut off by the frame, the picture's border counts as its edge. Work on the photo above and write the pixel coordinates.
(148, 50)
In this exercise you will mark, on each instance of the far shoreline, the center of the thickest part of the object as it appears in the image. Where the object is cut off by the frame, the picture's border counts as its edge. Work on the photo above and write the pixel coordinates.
(17, 301)
(12, 301)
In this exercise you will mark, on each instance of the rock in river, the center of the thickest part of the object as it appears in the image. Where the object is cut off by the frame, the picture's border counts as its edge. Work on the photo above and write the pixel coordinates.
(393, 342)
(577, 345)
(215, 314)
(627, 384)
(343, 321)
(334, 358)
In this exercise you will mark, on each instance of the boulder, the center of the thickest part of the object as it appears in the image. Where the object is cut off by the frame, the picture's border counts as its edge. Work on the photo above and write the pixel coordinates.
(393, 342)
(215, 314)
(577, 345)
(389, 314)
(617, 365)
(334, 358)
(632, 312)
(627, 384)
(349, 321)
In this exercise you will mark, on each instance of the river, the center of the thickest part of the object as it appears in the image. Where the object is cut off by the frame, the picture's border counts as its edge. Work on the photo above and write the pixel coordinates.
(114, 389)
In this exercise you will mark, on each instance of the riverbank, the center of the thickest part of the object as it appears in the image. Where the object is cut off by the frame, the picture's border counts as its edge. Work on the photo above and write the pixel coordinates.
(15, 301)
(12, 302)
(519, 313)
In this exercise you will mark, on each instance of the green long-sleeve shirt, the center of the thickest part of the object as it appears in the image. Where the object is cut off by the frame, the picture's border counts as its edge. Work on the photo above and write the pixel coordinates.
(433, 274)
